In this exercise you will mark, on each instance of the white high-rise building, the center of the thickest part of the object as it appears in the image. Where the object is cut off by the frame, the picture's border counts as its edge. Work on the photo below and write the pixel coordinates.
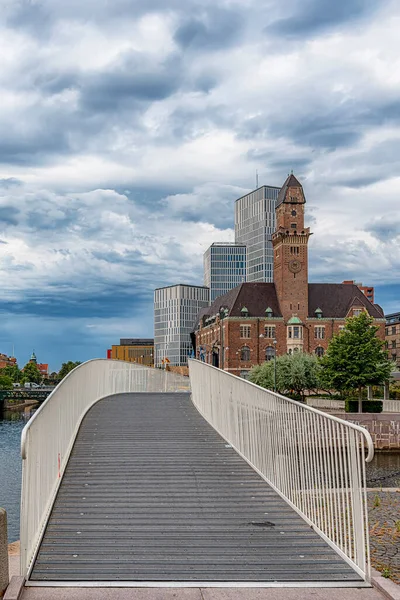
(254, 226)
(224, 267)
(175, 310)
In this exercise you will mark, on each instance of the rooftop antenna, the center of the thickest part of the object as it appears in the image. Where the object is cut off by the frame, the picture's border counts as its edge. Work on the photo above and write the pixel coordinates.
(256, 178)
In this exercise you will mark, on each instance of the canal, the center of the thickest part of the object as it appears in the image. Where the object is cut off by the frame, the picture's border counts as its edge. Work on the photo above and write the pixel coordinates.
(383, 472)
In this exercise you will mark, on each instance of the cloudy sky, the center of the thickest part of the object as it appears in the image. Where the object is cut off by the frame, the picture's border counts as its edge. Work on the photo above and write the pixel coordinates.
(128, 128)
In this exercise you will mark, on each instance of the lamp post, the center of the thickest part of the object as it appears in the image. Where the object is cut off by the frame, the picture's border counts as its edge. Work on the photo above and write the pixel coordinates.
(275, 342)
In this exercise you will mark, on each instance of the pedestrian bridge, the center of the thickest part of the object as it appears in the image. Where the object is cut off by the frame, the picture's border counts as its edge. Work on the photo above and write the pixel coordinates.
(133, 477)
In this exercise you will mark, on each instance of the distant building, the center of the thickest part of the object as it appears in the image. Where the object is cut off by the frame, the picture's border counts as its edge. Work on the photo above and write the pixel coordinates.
(224, 267)
(367, 290)
(254, 226)
(175, 310)
(255, 321)
(137, 350)
(392, 337)
(7, 361)
(43, 367)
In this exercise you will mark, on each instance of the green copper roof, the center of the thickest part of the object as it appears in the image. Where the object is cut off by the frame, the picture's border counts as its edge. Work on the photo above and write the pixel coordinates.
(318, 310)
(244, 309)
(294, 321)
(268, 310)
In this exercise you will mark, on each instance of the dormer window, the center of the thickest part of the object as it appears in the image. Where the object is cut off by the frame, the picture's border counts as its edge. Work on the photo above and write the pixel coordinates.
(318, 313)
(244, 312)
(268, 312)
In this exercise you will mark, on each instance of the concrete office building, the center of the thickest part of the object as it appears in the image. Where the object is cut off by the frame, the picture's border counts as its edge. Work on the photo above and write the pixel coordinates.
(254, 226)
(175, 310)
(224, 267)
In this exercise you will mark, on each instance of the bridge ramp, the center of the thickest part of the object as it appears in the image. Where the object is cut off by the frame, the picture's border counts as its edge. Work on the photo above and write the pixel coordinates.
(152, 493)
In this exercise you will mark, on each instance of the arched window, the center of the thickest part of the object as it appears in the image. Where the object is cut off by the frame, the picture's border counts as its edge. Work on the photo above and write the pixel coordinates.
(245, 353)
(319, 351)
(269, 353)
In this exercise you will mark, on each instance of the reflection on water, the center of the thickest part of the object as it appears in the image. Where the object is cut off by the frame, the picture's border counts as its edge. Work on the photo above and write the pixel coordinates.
(11, 425)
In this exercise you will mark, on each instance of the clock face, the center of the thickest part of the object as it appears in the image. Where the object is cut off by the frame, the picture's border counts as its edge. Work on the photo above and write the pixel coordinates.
(294, 213)
(295, 266)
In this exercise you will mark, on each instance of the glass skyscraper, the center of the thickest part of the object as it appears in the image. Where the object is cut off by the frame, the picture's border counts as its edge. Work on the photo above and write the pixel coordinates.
(175, 310)
(254, 226)
(224, 267)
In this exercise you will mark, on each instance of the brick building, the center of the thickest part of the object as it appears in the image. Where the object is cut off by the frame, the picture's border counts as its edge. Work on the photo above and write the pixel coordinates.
(243, 327)
(392, 337)
(7, 361)
(367, 290)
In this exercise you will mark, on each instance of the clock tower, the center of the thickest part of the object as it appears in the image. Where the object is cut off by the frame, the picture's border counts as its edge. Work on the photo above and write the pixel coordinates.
(290, 243)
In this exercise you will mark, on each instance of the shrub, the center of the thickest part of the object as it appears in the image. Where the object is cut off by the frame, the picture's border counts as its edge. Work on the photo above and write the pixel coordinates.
(368, 406)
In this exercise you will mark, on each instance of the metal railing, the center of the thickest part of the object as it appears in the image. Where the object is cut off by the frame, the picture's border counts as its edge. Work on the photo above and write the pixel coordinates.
(315, 461)
(48, 437)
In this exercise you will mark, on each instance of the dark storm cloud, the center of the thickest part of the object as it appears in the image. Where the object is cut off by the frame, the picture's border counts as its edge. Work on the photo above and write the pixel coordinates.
(313, 16)
(326, 125)
(274, 161)
(33, 138)
(8, 215)
(130, 83)
(216, 28)
(385, 228)
(360, 182)
(10, 182)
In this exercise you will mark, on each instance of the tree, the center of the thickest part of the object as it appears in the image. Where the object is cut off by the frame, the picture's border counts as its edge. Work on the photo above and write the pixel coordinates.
(12, 371)
(6, 383)
(295, 373)
(355, 358)
(66, 368)
(32, 373)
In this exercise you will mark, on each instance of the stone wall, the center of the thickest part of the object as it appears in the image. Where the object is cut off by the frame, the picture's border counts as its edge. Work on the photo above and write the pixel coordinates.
(383, 427)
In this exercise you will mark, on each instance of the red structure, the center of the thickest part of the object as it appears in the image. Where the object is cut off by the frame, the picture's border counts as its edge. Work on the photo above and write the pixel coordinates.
(367, 290)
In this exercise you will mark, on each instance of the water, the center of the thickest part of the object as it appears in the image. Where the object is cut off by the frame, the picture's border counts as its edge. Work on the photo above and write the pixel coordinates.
(384, 471)
(11, 425)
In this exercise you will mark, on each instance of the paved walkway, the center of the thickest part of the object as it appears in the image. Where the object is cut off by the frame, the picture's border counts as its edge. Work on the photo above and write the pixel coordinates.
(384, 520)
(201, 594)
(153, 493)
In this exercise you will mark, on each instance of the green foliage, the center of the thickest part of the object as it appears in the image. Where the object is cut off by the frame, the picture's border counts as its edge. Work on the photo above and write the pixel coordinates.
(12, 371)
(6, 383)
(377, 501)
(32, 373)
(368, 406)
(387, 572)
(66, 368)
(394, 391)
(263, 375)
(355, 357)
(295, 373)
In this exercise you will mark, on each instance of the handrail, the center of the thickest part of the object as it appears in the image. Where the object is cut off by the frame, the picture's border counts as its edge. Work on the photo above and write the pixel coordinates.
(312, 459)
(48, 437)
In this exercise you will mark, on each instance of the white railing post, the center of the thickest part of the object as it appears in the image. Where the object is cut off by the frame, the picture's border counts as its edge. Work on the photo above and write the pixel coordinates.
(314, 460)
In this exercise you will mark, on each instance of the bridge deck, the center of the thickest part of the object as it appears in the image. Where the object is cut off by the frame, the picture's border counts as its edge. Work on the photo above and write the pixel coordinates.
(152, 493)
